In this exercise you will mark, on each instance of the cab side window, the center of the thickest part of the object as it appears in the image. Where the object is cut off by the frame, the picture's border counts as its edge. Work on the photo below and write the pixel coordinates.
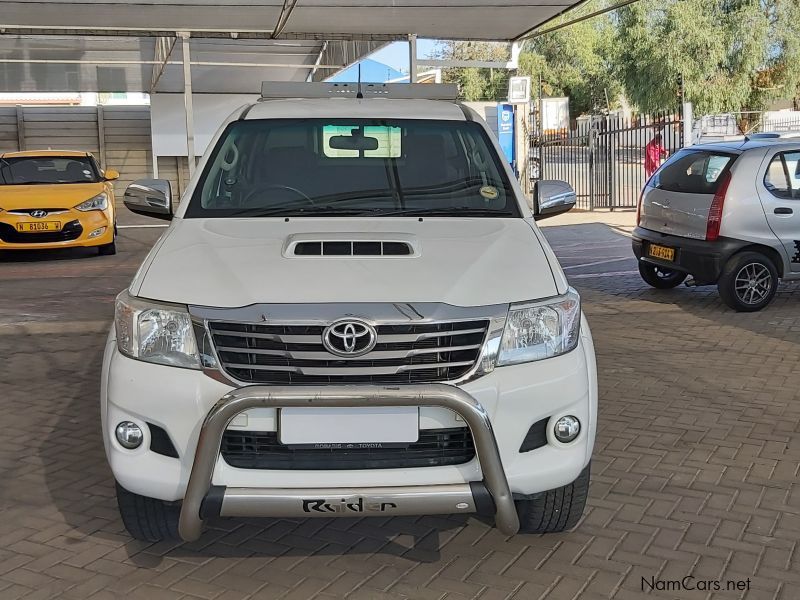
(782, 178)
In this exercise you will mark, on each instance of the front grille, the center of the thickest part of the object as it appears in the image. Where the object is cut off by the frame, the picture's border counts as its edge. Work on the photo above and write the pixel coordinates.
(292, 354)
(47, 211)
(262, 450)
(70, 231)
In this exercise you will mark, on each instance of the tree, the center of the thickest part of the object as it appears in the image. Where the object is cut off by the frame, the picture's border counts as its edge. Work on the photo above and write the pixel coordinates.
(731, 54)
(475, 83)
(577, 61)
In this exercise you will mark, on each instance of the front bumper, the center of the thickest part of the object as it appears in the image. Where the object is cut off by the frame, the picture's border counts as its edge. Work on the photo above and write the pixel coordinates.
(76, 228)
(395, 500)
(502, 404)
(701, 259)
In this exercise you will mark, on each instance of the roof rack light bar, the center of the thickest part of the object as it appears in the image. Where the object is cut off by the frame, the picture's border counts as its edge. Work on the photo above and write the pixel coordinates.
(273, 90)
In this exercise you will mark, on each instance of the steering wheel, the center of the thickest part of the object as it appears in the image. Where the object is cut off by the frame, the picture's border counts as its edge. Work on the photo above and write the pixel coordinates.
(274, 186)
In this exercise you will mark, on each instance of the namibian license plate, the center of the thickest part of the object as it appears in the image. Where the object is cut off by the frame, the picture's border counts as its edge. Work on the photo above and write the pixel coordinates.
(349, 427)
(38, 226)
(661, 252)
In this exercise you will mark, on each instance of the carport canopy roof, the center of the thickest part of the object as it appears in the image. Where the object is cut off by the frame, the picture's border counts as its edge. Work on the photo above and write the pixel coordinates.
(503, 20)
(130, 46)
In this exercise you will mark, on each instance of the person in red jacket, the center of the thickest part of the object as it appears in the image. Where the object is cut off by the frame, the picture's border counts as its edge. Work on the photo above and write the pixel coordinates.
(653, 153)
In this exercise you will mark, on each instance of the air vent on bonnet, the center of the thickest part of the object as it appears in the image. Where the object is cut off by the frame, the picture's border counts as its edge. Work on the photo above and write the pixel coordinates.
(352, 248)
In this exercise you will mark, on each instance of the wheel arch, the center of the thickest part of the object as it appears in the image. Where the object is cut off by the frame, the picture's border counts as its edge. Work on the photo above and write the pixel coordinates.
(767, 251)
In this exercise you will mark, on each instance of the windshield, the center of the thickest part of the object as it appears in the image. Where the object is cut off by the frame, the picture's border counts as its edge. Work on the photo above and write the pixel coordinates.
(32, 170)
(354, 167)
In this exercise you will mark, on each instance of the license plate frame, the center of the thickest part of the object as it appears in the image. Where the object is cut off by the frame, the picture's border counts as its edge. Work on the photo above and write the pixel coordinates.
(38, 226)
(661, 252)
(343, 426)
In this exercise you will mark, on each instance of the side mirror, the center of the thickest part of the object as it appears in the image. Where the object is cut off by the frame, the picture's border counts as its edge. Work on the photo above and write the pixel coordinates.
(111, 174)
(150, 197)
(552, 197)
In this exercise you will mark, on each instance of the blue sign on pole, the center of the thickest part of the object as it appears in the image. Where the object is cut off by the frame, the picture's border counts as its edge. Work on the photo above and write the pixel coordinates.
(505, 131)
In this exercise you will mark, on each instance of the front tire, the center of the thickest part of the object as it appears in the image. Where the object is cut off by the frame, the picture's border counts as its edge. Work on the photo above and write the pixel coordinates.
(748, 282)
(555, 510)
(660, 277)
(148, 519)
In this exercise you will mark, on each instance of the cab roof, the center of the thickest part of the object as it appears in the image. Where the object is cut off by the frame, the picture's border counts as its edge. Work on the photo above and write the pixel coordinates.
(43, 153)
(352, 108)
(739, 146)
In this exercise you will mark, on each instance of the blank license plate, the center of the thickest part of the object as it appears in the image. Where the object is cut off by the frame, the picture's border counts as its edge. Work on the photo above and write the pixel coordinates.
(661, 252)
(349, 425)
(39, 226)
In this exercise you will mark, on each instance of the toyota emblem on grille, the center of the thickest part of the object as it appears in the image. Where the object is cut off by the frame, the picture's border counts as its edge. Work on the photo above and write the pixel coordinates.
(349, 337)
(38, 214)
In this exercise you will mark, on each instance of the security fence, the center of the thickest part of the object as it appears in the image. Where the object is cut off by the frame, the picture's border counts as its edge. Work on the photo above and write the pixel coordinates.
(603, 156)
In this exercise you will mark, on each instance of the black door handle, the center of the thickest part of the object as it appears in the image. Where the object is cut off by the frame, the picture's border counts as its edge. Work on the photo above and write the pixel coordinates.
(783, 210)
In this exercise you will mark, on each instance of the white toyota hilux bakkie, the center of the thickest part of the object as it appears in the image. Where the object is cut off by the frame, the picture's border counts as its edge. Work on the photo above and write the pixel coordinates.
(351, 313)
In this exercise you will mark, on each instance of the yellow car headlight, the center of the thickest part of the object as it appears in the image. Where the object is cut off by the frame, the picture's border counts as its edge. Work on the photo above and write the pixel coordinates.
(99, 202)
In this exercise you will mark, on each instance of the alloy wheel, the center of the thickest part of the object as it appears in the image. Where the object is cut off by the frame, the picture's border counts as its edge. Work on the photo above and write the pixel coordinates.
(753, 283)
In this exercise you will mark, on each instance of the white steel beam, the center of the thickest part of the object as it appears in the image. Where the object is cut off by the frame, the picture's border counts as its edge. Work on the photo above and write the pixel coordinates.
(163, 50)
(187, 100)
(412, 58)
(317, 62)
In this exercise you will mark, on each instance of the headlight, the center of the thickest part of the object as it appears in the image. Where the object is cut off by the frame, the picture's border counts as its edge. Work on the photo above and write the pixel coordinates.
(541, 330)
(156, 333)
(99, 202)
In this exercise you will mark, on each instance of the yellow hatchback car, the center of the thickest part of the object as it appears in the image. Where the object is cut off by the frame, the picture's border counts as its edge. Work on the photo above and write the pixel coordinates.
(56, 199)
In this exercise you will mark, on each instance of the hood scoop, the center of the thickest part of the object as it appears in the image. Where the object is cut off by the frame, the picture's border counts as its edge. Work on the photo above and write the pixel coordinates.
(353, 245)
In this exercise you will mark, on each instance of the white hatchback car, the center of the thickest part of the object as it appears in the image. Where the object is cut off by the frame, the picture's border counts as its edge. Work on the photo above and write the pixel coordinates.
(725, 213)
(352, 313)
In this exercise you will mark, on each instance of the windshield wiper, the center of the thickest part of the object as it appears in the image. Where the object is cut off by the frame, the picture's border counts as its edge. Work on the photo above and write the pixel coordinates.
(463, 211)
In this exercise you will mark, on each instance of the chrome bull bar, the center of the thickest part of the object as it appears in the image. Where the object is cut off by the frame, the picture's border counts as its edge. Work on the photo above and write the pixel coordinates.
(203, 500)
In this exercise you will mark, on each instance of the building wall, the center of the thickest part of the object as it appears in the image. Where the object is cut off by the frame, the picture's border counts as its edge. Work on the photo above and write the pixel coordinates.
(118, 136)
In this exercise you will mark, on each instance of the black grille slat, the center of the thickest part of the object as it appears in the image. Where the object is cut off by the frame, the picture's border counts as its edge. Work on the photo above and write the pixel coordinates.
(355, 248)
(262, 450)
(420, 353)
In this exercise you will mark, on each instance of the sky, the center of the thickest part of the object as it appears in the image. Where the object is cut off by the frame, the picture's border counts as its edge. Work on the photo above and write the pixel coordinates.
(396, 53)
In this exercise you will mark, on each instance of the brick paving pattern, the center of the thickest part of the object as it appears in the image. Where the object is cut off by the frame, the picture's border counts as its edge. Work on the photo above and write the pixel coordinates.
(695, 471)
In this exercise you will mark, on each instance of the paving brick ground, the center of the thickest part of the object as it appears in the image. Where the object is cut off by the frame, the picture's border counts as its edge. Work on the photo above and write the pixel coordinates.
(695, 474)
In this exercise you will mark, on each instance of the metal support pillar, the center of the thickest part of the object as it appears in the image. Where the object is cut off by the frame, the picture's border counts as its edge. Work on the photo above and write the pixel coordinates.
(688, 124)
(187, 99)
(20, 127)
(101, 136)
(412, 58)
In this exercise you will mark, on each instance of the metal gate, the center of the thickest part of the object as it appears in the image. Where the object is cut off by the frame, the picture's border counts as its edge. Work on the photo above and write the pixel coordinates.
(602, 157)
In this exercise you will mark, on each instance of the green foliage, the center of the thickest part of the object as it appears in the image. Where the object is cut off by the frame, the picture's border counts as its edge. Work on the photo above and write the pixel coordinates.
(732, 55)
(720, 47)
(577, 61)
(476, 84)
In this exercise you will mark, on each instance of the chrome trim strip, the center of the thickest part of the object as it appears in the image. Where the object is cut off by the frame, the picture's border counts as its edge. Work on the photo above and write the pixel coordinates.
(316, 339)
(375, 313)
(446, 396)
(49, 211)
(348, 371)
(373, 355)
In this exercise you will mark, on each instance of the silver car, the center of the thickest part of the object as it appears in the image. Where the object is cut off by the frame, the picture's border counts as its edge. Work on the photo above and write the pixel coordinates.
(724, 214)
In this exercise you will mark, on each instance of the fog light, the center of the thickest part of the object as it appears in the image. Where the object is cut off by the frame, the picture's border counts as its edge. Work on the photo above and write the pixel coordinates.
(97, 232)
(567, 429)
(129, 435)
